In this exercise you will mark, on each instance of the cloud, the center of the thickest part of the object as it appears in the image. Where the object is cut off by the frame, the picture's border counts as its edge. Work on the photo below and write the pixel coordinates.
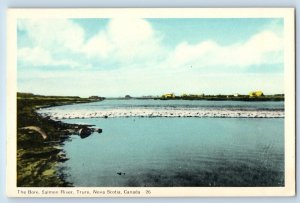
(50, 40)
(121, 41)
(34, 56)
(40, 57)
(126, 41)
(128, 56)
(98, 46)
(133, 41)
(53, 34)
(265, 47)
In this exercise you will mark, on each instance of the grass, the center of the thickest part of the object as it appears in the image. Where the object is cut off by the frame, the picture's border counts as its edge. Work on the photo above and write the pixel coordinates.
(276, 97)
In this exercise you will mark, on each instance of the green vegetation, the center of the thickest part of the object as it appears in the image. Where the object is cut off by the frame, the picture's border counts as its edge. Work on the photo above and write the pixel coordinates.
(37, 158)
(237, 97)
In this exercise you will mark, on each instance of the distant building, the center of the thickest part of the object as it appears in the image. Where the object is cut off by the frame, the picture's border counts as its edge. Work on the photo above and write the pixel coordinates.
(128, 97)
(236, 94)
(256, 94)
(168, 96)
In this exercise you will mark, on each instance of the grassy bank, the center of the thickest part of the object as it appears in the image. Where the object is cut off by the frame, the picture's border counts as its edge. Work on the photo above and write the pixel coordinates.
(38, 157)
(278, 97)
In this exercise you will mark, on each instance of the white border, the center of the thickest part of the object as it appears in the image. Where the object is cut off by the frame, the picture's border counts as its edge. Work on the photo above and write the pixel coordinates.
(289, 66)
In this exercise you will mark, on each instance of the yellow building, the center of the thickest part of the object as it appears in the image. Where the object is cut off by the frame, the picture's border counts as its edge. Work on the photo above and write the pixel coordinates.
(168, 96)
(256, 94)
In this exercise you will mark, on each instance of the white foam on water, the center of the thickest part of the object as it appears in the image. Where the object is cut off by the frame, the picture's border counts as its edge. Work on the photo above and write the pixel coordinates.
(140, 112)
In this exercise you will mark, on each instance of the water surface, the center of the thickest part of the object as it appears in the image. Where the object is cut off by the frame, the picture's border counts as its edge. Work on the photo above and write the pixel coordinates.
(178, 152)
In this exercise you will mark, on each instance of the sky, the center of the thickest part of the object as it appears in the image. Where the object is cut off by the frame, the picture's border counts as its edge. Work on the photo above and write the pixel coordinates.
(141, 57)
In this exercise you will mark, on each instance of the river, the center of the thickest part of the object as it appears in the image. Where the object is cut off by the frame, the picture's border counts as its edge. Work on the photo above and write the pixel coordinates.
(139, 149)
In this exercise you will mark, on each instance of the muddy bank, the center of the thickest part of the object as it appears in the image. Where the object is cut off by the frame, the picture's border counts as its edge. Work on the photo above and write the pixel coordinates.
(40, 140)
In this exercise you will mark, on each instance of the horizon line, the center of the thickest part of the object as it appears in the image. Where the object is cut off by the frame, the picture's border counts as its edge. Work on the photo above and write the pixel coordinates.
(142, 96)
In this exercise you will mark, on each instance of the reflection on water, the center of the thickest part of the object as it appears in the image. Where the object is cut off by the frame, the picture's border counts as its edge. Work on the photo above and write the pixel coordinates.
(178, 152)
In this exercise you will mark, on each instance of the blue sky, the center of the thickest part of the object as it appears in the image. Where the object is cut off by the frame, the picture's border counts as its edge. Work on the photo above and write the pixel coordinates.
(115, 57)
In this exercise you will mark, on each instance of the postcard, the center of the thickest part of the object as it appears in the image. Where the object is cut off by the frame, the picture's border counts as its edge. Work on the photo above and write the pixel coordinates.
(150, 102)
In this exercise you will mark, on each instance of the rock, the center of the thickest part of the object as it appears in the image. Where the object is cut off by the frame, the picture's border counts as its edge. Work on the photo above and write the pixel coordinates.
(98, 130)
(68, 131)
(85, 132)
(36, 129)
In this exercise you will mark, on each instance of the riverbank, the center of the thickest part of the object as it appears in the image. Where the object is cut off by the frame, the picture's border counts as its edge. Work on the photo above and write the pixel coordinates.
(247, 98)
(40, 140)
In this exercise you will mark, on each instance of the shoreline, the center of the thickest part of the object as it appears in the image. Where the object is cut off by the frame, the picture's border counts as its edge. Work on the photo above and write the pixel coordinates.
(244, 98)
(38, 156)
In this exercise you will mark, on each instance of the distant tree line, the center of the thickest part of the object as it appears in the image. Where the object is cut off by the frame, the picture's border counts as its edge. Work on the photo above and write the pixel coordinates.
(252, 96)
